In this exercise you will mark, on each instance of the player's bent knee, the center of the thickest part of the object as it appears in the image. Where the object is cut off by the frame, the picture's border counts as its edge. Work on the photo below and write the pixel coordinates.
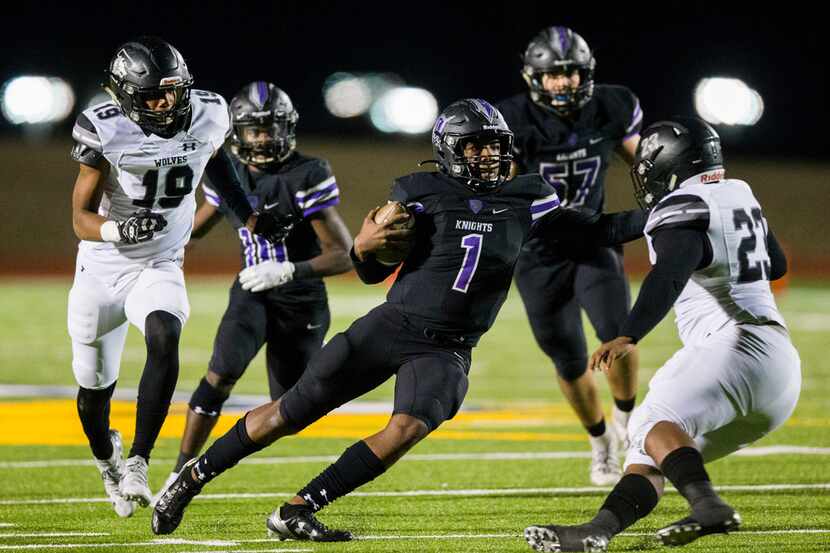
(407, 430)
(571, 369)
(162, 331)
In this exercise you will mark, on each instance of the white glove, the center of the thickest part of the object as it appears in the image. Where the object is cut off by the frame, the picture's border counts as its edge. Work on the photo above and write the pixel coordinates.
(266, 275)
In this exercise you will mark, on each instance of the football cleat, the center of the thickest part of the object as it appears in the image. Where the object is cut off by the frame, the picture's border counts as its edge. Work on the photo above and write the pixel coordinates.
(170, 479)
(169, 509)
(689, 529)
(297, 522)
(605, 466)
(111, 471)
(552, 539)
(133, 485)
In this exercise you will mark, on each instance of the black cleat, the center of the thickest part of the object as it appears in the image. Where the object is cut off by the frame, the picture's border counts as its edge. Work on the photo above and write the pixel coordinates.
(689, 529)
(553, 539)
(169, 509)
(297, 522)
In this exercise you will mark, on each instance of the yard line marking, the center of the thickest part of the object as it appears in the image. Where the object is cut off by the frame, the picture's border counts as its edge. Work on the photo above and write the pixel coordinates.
(487, 456)
(53, 534)
(750, 488)
(162, 543)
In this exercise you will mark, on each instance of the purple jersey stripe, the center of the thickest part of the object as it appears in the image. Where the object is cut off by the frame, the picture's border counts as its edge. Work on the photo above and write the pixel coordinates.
(544, 207)
(282, 255)
(264, 248)
(213, 200)
(317, 207)
(311, 198)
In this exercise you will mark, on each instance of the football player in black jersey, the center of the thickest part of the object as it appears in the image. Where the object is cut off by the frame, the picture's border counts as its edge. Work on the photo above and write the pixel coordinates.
(470, 224)
(567, 129)
(279, 298)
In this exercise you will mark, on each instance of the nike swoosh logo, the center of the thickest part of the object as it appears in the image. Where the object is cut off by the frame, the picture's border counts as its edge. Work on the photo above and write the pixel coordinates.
(595, 140)
(312, 327)
(269, 206)
(497, 211)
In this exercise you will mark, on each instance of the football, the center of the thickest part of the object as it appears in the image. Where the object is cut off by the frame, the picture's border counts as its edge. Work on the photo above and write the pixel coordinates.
(392, 257)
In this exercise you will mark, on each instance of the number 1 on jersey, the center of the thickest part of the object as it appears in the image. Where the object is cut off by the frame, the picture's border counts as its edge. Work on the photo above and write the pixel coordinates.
(472, 243)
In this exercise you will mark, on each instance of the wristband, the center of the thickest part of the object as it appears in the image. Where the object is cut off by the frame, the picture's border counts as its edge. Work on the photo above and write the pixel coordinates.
(110, 232)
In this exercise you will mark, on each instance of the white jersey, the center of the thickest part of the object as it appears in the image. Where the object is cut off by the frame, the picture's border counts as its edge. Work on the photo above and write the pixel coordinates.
(734, 288)
(151, 172)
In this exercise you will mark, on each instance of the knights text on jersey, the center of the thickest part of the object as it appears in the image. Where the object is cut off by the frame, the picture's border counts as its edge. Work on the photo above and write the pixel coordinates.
(573, 156)
(150, 172)
(300, 186)
(458, 274)
(734, 288)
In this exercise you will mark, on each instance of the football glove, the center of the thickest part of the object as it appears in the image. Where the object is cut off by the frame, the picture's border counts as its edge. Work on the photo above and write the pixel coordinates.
(140, 226)
(273, 226)
(266, 275)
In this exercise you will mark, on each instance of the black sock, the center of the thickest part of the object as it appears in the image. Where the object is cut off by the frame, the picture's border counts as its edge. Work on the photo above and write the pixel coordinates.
(158, 381)
(626, 405)
(357, 466)
(225, 453)
(633, 498)
(598, 429)
(183, 458)
(684, 468)
(94, 412)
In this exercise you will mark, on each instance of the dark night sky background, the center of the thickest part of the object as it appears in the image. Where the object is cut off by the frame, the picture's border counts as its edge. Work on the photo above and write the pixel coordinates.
(451, 49)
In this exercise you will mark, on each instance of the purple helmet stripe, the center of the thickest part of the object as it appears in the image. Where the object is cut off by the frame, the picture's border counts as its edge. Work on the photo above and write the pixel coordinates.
(262, 89)
(564, 41)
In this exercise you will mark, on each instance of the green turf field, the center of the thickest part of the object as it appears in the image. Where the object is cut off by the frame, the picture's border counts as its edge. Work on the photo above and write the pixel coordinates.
(457, 491)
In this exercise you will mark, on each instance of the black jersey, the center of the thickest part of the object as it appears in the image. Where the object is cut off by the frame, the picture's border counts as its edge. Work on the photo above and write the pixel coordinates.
(573, 156)
(457, 276)
(300, 186)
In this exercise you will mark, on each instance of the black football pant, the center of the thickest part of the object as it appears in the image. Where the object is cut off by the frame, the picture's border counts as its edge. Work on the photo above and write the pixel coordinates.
(431, 370)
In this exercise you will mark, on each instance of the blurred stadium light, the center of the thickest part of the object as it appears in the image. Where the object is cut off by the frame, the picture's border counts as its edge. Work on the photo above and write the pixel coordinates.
(31, 100)
(405, 109)
(347, 95)
(726, 101)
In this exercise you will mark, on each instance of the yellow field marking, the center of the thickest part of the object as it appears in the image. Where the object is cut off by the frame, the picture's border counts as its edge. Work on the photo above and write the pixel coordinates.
(55, 422)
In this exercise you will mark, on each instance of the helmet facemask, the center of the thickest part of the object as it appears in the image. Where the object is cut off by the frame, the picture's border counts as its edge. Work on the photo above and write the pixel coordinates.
(483, 171)
(570, 98)
(264, 139)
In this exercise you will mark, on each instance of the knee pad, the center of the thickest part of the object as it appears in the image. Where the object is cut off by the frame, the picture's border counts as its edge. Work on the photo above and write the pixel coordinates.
(91, 401)
(207, 400)
(570, 369)
(162, 331)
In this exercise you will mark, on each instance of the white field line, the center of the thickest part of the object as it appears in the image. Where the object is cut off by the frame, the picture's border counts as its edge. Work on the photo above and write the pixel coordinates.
(492, 456)
(747, 488)
(168, 543)
(53, 534)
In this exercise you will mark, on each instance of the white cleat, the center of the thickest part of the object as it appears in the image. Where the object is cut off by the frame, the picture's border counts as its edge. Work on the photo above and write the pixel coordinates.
(619, 424)
(112, 470)
(134, 484)
(605, 463)
(170, 480)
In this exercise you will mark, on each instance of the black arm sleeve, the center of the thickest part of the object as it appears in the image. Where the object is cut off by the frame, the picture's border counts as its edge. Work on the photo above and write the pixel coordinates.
(371, 271)
(777, 259)
(591, 228)
(679, 252)
(225, 181)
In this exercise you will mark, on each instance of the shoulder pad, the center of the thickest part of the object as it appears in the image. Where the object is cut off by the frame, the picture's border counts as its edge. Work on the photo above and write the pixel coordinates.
(623, 106)
(680, 210)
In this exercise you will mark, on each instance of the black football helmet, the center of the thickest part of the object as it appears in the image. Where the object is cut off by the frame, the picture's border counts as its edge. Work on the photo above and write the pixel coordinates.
(147, 69)
(559, 50)
(262, 109)
(669, 153)
(472, 120)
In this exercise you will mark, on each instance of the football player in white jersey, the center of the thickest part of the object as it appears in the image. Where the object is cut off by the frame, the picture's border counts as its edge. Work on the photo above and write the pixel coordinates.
(737, 376)
(132, 209)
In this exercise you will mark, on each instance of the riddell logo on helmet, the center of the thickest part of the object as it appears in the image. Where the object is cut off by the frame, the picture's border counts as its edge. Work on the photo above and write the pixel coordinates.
(170, 80)
(712, 176)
